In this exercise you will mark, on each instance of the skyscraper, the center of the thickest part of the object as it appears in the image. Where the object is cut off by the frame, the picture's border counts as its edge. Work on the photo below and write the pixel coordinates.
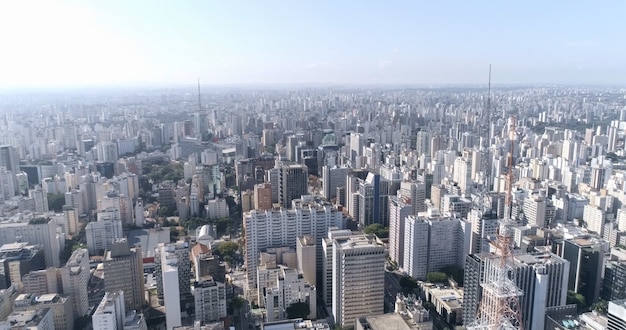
(540, 276)
(123, 270)
(358, 278)
(292, 183)
(398, 211)
(180, 253)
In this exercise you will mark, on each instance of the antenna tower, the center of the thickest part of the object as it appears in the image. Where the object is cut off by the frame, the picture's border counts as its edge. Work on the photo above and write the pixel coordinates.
(499, 307)
(199, 98)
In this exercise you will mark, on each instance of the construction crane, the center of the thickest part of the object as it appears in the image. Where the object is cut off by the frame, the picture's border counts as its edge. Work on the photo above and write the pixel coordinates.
(499, 307)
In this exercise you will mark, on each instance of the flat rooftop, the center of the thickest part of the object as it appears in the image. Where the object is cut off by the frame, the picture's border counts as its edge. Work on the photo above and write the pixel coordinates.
(385, 321)
(149, 239)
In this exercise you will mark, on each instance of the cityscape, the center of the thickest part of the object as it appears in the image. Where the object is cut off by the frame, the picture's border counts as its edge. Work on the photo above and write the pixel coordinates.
(339, 196)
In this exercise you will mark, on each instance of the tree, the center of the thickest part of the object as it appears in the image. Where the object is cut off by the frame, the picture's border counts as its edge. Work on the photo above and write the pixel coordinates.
(408, 283)
(455, 272)
(436, 277)
(601, 307)
(227, 250)
(56, 202)
(377, 229)
(298, 310)
(576, 298)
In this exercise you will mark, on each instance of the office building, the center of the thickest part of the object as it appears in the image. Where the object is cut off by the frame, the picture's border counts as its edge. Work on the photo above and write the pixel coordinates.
(60, 306)
(281, 227)
(39, 319)
(44, 281)
(262, 196)
(36, 230)
(332, 178)
(372, 200)
(102, 233)
(209, 300)
(358, 278)
(216, 209)
(16, 260)
(178, 260)
(306, 252)
(123, 270)
(327, 268)
(433, 241)
(292, 182)
(75, 278)
(205, 264)
(110, 313)
(617, 315)
(540, 276)
(169, 273)
(586, 257)
(398, 212)
(290, 288)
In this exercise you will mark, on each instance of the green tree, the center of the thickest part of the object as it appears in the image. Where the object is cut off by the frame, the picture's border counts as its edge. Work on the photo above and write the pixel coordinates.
(436, 277)
(298, 310)
(576, 298)
(408, 284)
(227, 250)
(601, 307)
(455, 272)
(56, 202)
(377, 229)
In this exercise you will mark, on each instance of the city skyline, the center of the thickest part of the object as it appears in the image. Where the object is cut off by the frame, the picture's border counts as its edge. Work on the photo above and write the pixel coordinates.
(74, 44)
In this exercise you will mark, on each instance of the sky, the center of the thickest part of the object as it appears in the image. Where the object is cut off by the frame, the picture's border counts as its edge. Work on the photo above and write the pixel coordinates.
(124, 43)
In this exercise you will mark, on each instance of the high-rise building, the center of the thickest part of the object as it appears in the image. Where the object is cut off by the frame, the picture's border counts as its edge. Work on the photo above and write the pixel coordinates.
(595, 218)
(16, 260)
(541, 278)
(102, 233)
(306, 252)
(333, 177)
(40, 319)
(263, 196)
(327, 268)
(43, 281)
(123, 270)
(373, 200)
(75, 278)
(538, 211)
(110, 313)
(358, 278)
(614, 282)
(36, 230)
(290, 288)
(617, 315)
(586, 257)
(292, 182)
(398, 211)
(281, 227)
(209, 300)
(178, 252)
(484, 227)
(9, 159)
(433, 241)
(168, 271)
(60, 306)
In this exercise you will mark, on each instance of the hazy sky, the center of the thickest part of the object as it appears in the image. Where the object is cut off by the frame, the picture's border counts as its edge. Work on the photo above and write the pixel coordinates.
(74, 43)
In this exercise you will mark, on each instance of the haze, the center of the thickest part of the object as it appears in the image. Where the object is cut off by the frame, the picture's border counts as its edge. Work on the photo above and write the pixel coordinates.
(113, 43)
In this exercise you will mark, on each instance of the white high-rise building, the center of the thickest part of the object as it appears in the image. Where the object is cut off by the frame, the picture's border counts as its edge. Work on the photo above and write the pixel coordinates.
(433, 241)
(327, 268)
(463, 174)
(358, 278)
(101, 234)
(216, 208)
(281, 227)
(110, 313)
(39, 230)
(171, 293)
(75, 277)
(398, 212)
(595, 219)
(290, 288)
(210, 300)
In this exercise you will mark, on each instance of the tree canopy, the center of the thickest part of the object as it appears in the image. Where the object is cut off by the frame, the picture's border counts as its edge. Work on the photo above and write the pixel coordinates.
(436, 277)
(56, 202)
(227, 250)
(576, 298)
(298, 310)
(377, 229)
